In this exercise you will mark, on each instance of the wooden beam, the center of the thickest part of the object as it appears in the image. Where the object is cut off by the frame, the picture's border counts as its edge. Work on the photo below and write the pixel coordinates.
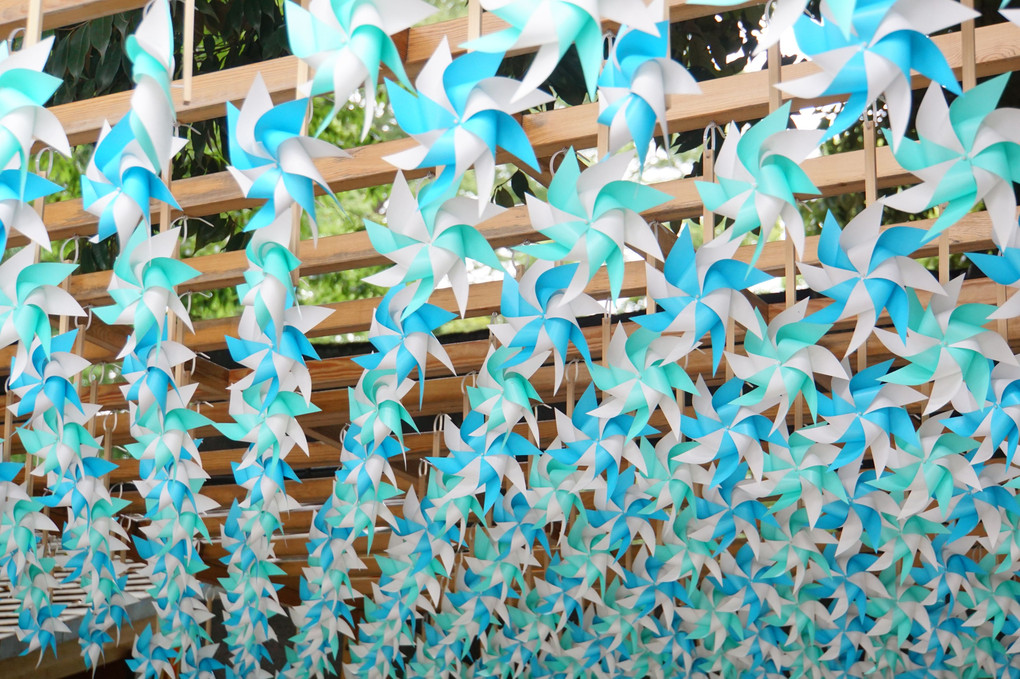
(59, 13)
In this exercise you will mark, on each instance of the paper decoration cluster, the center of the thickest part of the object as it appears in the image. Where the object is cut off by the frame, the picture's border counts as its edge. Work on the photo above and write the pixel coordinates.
(706, 489)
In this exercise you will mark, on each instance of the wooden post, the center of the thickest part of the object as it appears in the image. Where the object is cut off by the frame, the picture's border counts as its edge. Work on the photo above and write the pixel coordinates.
(33, 24)
(474, 20)
(188, 50)
(870, 196)
(775, 66)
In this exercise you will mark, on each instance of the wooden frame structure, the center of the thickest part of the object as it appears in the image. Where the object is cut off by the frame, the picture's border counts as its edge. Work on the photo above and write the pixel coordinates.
(993, 50)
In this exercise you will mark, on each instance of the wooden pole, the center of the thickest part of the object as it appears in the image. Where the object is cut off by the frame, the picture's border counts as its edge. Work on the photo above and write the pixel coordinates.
(870, 196)
(33, 24)
(188, 51)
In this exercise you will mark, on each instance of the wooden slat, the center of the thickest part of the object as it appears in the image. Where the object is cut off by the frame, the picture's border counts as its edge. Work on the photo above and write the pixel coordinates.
(59, 13)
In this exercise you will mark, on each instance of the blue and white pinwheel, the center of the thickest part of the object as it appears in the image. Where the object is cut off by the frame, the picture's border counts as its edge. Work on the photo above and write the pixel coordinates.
(541, 318)
(271, 160)
(758, 174)
(346, 42)
(887, 40)
(701, 299)
(866, 270)
(634, 84)
(966, 152)
(462, 113)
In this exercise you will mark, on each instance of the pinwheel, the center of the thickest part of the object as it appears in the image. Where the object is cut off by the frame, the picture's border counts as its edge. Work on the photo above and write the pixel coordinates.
(119, 182)
(595, 445)
(701, 299)
(866, 270)
(727, 433)
(758, 175)
(461, 114)
(481, 462)
(864, 413)
(346, 43)
(554, 25)
(633, 87)
(887, 40)
(541, 318)
(640, 379)
(948, 346)
(152, 117)
(29, 295)
(269, 157)
(143, 286)
(782, 361)
(503, 393)
(431, 245)
(17, 191)
(24, 90)
(593, 217)
(1004, 269)
(996, 421)
(966, 152)
(405, 340)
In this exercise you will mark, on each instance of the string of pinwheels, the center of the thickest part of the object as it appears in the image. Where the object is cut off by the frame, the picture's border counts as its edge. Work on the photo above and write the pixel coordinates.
(28, 300)
(146, 273)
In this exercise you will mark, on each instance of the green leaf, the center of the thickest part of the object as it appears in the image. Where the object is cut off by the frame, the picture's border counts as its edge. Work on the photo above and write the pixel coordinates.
(519, 184)
(100, 31)
(77, 51)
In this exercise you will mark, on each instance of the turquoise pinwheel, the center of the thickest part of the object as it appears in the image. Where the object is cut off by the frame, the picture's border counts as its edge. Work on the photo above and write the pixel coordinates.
(29, 295)
(554, 25)
(25, 90)
(271, 160)
(701, 299)
(887, 40)
(967, 152)
(948, 346)
(594, 217)
(867, 270)
(432, 244)
(640, 378)
(153, 117)
(462, 112)
(503, 393)
(143, 285)
(17, 191)
(377, 410)
(782, 360)
(758, 175)
(634, 84)
(541, 318)
(346, 42)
